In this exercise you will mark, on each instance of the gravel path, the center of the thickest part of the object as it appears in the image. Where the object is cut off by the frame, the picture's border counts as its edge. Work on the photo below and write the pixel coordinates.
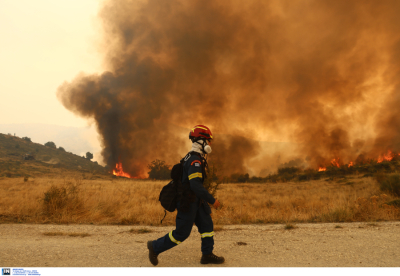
(308, 245)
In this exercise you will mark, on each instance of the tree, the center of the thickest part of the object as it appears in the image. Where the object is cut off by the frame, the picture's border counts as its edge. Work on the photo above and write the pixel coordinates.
(27, 139)
(243, 178)
(159, 170)
(51, 145)
(89, 156)
(61, 148)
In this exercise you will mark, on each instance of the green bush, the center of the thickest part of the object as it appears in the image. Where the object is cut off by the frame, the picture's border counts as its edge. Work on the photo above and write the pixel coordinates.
(243, 178)
(239, 178)
(337, 215)
(288, 171)
(51, 145)
(27, 139)
(389, 183)
(159, 170)
(395, 203)
(89, 155)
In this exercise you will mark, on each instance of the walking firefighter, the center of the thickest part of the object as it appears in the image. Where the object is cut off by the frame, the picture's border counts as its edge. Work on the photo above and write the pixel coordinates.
(192, 205)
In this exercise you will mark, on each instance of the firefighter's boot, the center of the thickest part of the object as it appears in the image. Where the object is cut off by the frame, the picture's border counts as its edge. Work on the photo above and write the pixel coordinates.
(152, 256)
(211, 259)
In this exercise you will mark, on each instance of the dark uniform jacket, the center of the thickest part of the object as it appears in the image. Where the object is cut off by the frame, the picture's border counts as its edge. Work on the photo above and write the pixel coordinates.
(193, 177)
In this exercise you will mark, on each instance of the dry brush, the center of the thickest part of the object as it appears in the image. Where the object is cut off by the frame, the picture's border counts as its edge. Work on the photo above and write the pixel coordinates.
(135, 202)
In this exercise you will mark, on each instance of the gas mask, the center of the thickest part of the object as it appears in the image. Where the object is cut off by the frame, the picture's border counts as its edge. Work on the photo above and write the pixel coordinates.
(206, 147)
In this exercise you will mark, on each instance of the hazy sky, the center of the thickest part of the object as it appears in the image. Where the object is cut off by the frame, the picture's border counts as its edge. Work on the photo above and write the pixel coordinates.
(42, 44)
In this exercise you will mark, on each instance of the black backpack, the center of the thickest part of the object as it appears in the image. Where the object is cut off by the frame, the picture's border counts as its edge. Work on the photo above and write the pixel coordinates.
(171, 193)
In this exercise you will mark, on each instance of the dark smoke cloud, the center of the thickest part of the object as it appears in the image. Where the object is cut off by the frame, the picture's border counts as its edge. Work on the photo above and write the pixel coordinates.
(322, 74)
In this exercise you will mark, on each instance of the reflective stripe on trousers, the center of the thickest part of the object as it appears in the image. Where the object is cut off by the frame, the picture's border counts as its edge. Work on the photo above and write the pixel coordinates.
(209, 234)
(173, 239)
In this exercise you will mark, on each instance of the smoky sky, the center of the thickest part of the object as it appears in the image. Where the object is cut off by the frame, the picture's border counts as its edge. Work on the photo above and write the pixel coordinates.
(321, 74)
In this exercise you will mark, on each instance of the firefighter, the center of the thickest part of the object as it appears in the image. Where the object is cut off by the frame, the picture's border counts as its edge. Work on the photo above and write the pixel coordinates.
(193, 206)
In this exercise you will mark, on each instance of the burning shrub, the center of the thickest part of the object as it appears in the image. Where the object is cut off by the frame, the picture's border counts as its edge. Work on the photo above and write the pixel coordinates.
(389, 183)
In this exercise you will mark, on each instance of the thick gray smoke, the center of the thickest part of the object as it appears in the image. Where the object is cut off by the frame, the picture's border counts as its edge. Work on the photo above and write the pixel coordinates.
(321, 74)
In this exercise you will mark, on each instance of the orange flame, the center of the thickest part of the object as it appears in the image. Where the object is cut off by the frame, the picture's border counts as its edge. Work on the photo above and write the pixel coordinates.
(118, 171)
(386, 157)
(335, 162)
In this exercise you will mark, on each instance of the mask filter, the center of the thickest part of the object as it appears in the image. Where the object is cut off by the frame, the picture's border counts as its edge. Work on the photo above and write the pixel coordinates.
(207, 149)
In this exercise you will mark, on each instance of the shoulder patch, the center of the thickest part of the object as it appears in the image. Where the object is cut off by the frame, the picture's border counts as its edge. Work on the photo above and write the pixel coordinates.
(186, 158)
(197, 163)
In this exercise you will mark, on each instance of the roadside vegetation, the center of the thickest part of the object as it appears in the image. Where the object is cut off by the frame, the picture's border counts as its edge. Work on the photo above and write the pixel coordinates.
(82, 235)
(60, 187)
(135, 202)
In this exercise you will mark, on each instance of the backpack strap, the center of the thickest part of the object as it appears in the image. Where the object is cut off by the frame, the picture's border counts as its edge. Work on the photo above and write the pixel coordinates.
(165, 213)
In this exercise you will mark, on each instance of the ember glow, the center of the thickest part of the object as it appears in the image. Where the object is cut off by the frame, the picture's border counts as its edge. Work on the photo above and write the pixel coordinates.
(118, 171)
(322, 169)
(351, 164)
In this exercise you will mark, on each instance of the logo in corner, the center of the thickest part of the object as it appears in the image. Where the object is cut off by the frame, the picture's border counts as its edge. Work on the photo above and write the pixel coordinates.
(6, 271)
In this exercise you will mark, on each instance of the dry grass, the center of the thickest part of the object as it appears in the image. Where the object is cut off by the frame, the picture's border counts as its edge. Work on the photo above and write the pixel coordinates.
(53, 234)
(218, 228)
(140, 231)
(129, 202)
(82, 235)
(290, 226)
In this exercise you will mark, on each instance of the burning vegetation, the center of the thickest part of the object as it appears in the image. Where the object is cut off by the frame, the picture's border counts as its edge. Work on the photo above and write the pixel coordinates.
(323, 76)
(389, 156)
(119, 171)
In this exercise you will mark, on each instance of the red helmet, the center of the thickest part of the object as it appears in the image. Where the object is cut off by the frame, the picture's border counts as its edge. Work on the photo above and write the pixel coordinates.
(199, 132)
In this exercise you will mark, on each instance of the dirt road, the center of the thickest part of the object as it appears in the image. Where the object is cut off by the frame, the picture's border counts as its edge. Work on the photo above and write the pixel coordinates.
(308, 245)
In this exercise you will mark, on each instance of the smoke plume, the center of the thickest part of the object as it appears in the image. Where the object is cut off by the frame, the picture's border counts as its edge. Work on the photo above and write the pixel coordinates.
(322, 75)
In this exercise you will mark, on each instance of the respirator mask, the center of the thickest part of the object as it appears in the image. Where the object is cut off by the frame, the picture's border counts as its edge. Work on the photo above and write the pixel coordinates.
(206, 147)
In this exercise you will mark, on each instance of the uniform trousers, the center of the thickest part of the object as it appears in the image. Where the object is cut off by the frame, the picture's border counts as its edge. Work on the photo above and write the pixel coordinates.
(199, 214)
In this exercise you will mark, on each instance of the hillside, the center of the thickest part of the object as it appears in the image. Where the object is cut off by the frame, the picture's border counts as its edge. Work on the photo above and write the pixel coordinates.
(77, 140)
(48, 161)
